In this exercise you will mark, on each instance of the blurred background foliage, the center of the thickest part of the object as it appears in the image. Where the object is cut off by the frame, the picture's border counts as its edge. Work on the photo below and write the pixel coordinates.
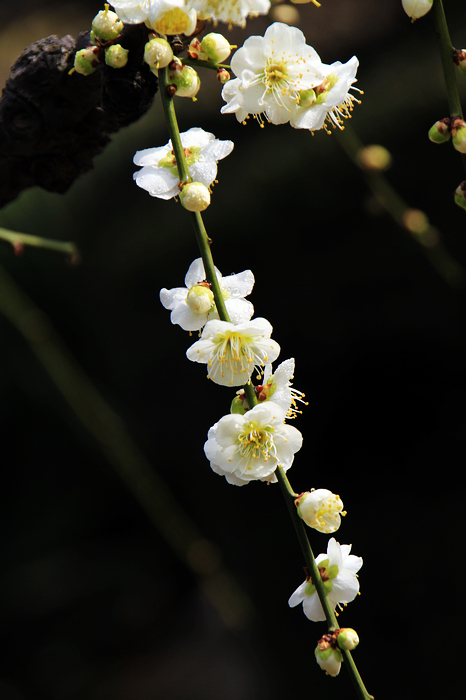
(94, 601)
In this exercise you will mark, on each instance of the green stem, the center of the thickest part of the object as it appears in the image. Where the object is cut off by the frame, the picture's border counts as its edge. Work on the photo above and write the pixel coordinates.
(19, 240)
(449, 70)
(330, 616)
(205, 64)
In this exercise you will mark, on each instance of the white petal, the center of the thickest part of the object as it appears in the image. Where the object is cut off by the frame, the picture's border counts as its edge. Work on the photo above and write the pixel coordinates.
(239, 285)
(173, 297)
(239, 310)
(183, 316)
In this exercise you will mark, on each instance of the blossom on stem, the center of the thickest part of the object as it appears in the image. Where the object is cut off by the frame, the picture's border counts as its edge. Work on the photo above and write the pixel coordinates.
(229, 11)
(159, 172)
(250, 447)
(338, 569)
(271, 71)
(320, 509)
(193, 305)
(164, 16)
(231, 352)
(416, 8)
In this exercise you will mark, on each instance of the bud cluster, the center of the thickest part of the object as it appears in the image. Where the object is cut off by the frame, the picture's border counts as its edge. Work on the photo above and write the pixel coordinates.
(106, 28)
(328, 650)
(453, 127)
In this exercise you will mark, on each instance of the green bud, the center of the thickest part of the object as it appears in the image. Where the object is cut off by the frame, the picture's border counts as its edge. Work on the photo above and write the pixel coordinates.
(440, 131)
(460, 195)
(459, 137)
(106, 25)
(185, 79)
(459, 57)
(215, 48)
(237, 406)
(86, 60)
(116, 56)
(195, 196)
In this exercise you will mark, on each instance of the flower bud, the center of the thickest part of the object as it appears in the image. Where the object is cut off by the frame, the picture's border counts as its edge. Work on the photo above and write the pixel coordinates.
(374, 158)
(416, 8)
(116, 56)
(184, 78)
(237, 405)
(215, 48)
(200, 299)
(106, 25)
(459, 137)
(307, 98)
(223, 76)
(440, 131)
(459, 57)
(86, 60)
(195, 196)
(158, 53)
(320, 509)
(460, 195)
(328, 659)
(348, 639)
(194, 48)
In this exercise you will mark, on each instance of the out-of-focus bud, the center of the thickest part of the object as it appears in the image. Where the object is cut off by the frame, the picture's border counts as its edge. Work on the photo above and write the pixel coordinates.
(214, 48)
(184, 79)
(459, 57)
(223, 76)
(86, 60)
(116, 56)
(374, 158)
(460, 195)
(305, 2)
(287, 14)
(440, 131)
(415, 221)
(195, 196)
(348, 639)
(106, 25)
(158, 53)
(458, 132)
(416, 8)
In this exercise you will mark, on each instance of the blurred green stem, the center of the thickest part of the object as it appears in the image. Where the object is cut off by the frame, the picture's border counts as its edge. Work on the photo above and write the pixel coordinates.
(19, 240)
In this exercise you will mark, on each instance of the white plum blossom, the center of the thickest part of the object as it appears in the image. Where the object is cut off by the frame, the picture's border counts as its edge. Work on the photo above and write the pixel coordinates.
(193, 305)
(277, 386)
(333, 102)
(279, 76)
(338, 569)
(250, 447)
(229, 11)
(159, 172)
(165, 16)
(231, 352)
(329, 659)
(271, 71)
(320, 509)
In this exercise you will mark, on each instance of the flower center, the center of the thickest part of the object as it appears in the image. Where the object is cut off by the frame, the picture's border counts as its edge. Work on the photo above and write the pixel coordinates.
(276, 73)
(192, 155)
(256, 442)
(233, 355)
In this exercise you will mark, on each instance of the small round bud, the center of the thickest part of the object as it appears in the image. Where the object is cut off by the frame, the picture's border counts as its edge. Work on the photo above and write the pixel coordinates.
(460, 195)
(307, 98)
(375, 158)
(215, 48)
(416, 8)
(237, 405)
(106, 25)
(158, 53)
(184, 78)
(415, 221)
(348, 639)
(86, 60)
(116, 56)
(440, 131)
(200, 299)
(195, 196)
(459, 135)
(287, 14)
(459, 57)
(223, 76)
(328, 659)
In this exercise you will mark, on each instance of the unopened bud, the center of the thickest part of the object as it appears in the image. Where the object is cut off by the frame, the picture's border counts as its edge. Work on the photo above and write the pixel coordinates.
(86, 60)
(200, 299)
(237, 405)
(458, 131)
(416, 8)
(375, 158)
(214, 48)
(106, 25)
(195, 196)
(306, 98)
(440, 131)
(328, 659)
(223, 76)
(460, 195)
(459, 57)
(184, 78)
(287, 14)
(116, 56)
(158, 53)
(347, 639)
(320, 509)
(194, 48)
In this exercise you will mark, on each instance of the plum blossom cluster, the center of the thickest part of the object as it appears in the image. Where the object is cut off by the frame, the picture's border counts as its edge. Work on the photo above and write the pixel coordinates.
(282, 79)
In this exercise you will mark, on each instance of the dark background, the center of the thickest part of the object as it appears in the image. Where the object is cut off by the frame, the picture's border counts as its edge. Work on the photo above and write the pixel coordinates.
(95, 603)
